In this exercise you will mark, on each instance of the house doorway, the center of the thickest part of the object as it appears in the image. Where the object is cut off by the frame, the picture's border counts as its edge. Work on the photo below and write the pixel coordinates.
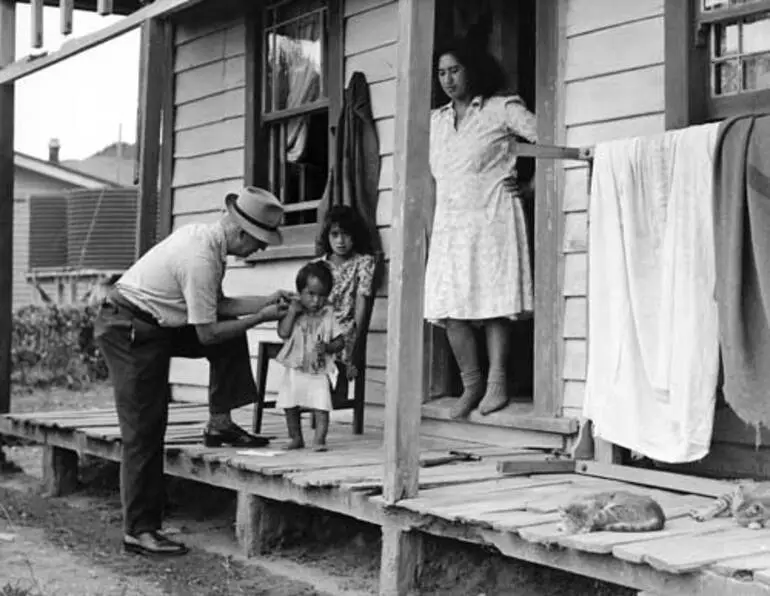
(511, 40)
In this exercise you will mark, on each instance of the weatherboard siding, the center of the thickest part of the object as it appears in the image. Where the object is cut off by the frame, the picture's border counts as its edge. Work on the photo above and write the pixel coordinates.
(612, 87)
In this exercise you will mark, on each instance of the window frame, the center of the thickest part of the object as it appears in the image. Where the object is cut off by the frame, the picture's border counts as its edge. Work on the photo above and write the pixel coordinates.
(299, 240)
(688, 68)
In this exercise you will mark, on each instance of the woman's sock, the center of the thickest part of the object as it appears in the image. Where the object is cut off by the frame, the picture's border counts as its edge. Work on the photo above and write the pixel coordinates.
(495, 397)
(473, 390)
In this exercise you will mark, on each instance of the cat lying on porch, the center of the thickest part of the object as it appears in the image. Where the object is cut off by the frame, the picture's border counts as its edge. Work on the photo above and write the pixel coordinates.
(617, 511)
(748, 503)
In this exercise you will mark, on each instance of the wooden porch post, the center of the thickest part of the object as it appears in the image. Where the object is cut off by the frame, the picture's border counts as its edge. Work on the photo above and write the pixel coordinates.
(549, 301)
(405, 362)
(155, 71)
(7, 55)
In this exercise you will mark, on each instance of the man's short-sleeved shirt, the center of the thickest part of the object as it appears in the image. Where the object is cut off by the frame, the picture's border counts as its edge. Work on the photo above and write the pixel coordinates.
(179, 280)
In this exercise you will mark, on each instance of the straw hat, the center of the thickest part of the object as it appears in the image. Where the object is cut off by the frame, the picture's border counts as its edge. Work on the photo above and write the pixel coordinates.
(258, 213)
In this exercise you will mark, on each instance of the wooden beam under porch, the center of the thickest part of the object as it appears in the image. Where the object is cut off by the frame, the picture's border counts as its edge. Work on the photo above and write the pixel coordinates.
(467, 501)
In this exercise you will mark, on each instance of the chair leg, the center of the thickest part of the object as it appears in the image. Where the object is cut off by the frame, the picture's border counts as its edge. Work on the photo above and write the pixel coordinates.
(358, 402)
(259, 404)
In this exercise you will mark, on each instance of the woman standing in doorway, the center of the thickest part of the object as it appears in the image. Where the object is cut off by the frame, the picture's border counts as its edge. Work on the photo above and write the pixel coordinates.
(479, 272)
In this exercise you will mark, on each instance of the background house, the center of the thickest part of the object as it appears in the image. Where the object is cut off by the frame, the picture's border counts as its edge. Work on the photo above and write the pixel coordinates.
(60, 210)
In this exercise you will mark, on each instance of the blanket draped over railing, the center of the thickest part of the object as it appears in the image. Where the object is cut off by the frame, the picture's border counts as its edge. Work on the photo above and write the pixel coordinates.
(742, 240)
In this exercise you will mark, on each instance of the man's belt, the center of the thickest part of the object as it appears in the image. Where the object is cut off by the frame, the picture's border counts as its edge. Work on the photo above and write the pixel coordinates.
(116, 298)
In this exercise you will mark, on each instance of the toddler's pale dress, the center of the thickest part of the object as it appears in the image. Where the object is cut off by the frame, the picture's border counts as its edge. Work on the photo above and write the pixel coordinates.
(478, 263)
(308, 379)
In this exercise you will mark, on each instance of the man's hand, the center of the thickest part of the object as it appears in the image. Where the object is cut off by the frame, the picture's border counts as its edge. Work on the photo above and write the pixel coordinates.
(282, 296)
(294, 306)
(274, 312)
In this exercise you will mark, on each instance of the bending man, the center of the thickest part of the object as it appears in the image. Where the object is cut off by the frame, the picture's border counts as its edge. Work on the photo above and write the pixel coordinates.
(170, 303)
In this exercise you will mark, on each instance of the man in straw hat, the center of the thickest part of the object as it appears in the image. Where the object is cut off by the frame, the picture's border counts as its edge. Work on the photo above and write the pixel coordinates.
(170, 303)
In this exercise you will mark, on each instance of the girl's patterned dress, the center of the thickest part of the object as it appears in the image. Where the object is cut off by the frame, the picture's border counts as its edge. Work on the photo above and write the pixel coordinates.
(478, 264)
(308, 379)
(352, 278)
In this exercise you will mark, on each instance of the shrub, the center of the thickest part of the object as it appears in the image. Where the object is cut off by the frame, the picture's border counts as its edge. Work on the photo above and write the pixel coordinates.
(54, 345)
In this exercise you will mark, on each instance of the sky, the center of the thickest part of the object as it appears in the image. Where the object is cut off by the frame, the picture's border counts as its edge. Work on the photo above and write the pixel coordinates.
(87, 101)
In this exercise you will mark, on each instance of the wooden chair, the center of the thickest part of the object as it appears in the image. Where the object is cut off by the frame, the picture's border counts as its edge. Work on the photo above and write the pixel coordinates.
(269, 350)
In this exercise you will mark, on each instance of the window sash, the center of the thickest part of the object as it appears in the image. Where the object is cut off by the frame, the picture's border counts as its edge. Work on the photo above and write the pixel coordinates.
(268, 107)
(263, 127)
(715, 107)
(730, 13)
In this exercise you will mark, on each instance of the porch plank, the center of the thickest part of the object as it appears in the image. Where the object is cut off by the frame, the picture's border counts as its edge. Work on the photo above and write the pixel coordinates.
(749, 563)
(763, 576)
(700, 552)
(640, 551)
(513, 521)
(605, 542)
(673, 505)
(449, 496)
(669, 480)
(480, 504)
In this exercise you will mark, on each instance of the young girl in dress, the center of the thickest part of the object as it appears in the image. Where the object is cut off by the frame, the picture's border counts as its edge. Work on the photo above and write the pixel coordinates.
(312, 336)
(346, 248)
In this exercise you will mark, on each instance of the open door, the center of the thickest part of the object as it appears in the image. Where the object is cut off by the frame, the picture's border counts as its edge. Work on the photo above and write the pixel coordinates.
(512, 42)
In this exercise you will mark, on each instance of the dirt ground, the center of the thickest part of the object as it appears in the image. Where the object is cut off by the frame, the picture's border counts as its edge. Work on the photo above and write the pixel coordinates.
(71, 545)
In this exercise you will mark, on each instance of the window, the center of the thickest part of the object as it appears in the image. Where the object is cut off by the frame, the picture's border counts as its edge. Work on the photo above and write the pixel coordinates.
(737, 36)
(298, 94)
(724, 54)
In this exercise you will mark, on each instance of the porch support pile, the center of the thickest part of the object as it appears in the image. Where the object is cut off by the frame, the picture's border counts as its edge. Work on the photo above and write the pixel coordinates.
(405, 363)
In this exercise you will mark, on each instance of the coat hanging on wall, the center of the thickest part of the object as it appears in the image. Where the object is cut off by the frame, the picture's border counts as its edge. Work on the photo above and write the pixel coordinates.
(354, 170)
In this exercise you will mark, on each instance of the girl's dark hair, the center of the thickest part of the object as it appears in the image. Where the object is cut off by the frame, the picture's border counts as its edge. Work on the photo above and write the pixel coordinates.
(320, 271)
(350, 222)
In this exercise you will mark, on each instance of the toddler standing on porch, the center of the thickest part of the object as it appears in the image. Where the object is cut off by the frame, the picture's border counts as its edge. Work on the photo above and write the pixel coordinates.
(312, 337)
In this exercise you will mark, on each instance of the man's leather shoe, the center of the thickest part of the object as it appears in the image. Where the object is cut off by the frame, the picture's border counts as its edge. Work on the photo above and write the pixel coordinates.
(154, 544)
(233, 436)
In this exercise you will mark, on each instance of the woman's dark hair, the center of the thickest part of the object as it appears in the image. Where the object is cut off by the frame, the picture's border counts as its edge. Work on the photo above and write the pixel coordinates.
(484, 74)
(350, 222)
(320, 271)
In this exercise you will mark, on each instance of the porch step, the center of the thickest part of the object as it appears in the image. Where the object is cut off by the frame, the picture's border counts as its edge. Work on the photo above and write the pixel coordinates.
(519, 414)
(491, 431)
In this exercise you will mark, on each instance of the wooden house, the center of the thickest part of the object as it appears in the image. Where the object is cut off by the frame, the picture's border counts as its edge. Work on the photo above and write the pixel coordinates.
(591, 70)
(35, 177)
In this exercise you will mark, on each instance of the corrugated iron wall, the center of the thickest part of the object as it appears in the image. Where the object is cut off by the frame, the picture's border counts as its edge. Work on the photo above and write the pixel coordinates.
(86, 229)
(101, 228)
(47, 231)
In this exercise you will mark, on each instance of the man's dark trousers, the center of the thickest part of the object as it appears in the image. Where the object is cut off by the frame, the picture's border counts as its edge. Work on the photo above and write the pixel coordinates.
(138, 353)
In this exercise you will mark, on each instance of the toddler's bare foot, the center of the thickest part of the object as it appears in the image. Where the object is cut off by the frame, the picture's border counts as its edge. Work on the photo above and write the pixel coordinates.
(294, 444)
(319, 447)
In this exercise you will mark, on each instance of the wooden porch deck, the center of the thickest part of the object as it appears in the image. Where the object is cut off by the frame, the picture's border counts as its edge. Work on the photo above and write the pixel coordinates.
(468, 501)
